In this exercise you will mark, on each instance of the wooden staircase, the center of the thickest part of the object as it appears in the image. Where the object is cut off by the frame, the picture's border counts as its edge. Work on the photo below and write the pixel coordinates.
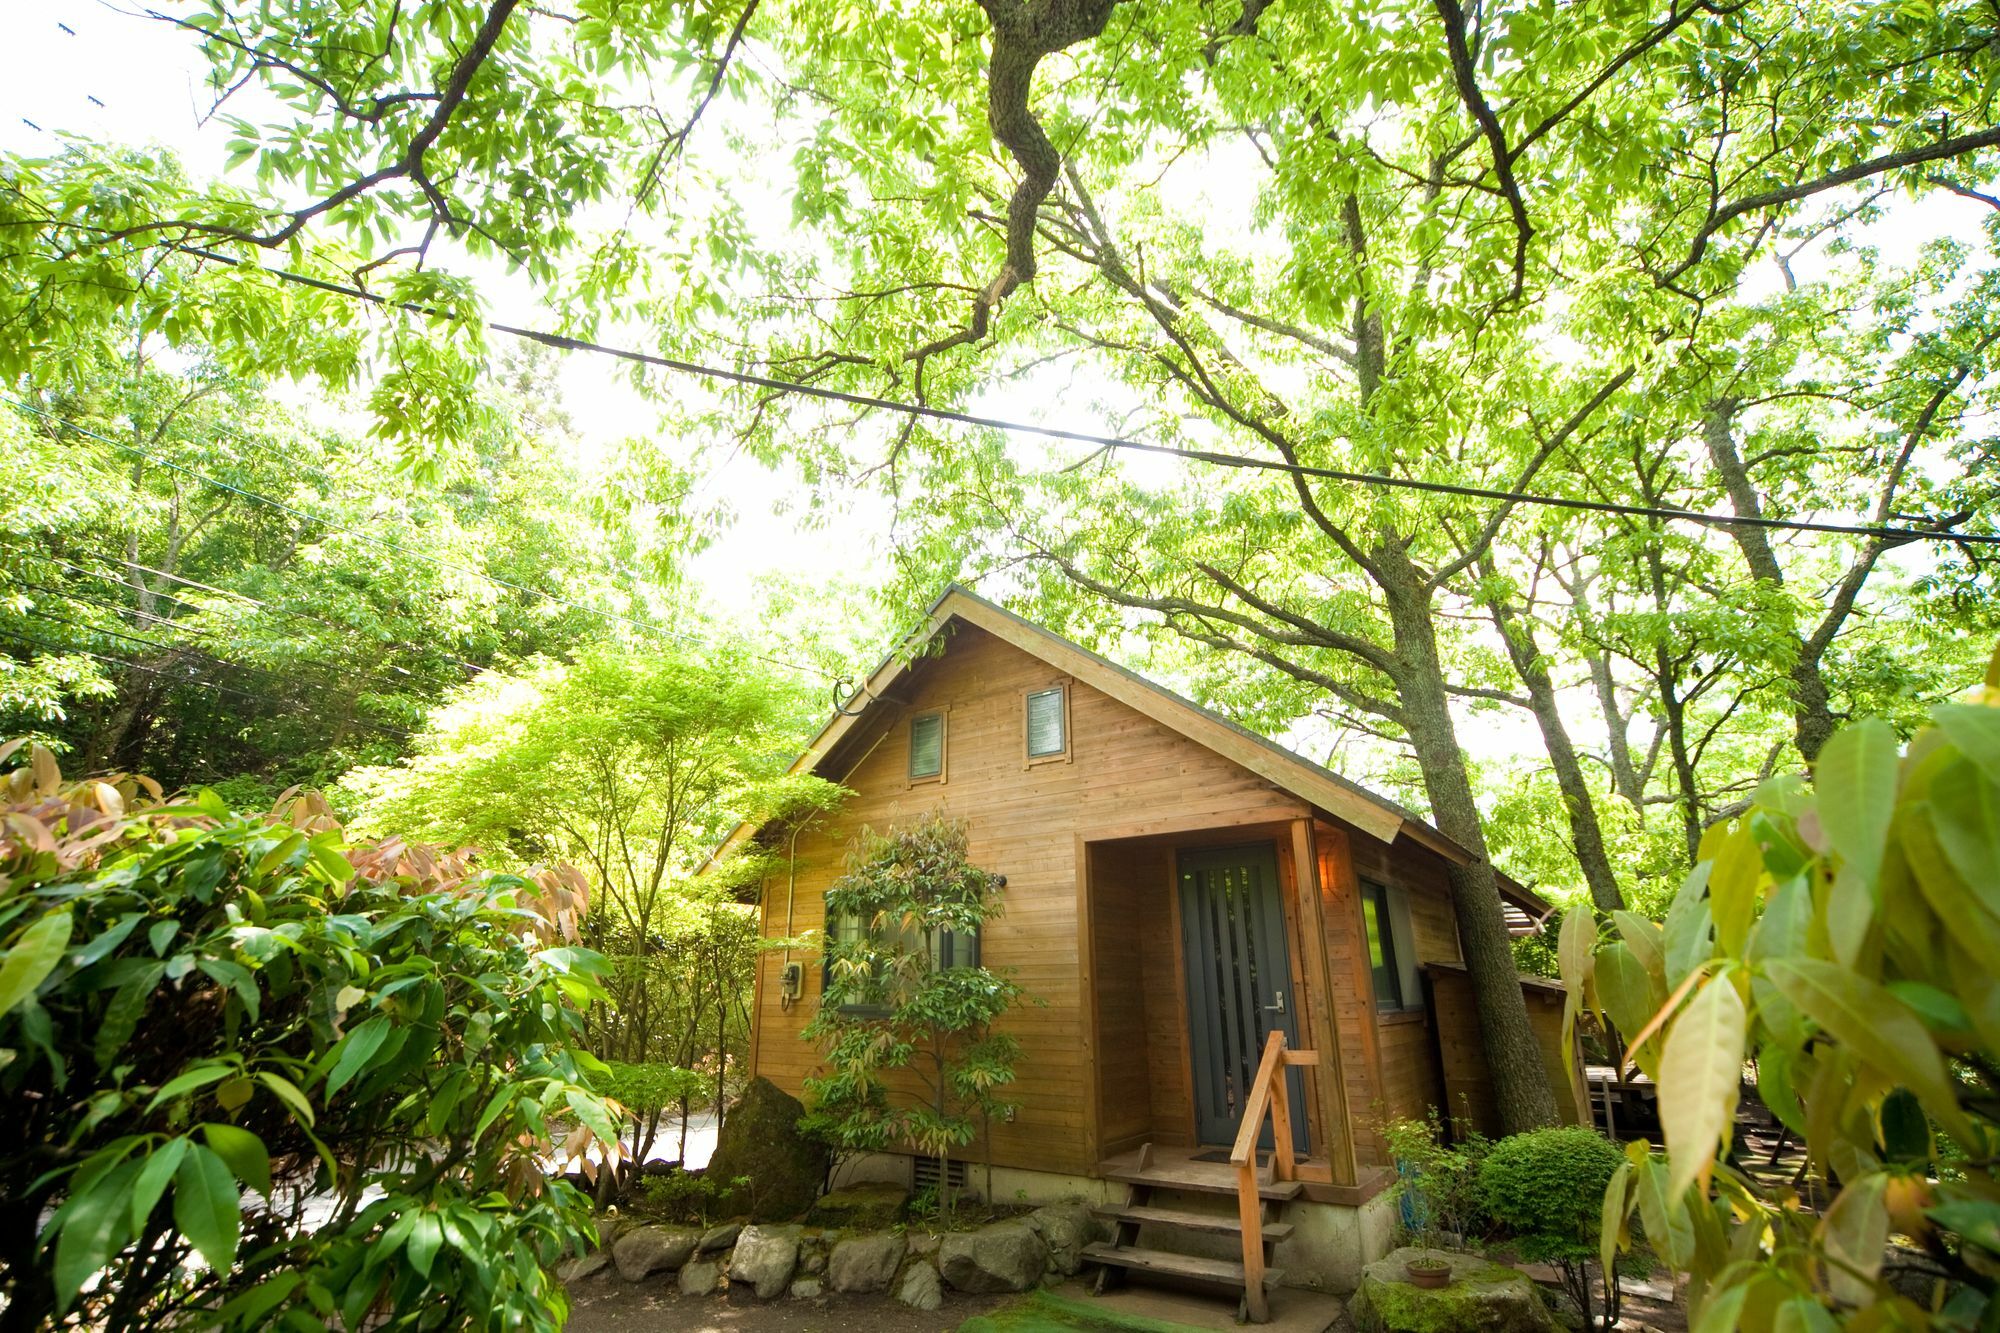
(1258, 1197)
(1159, 1220)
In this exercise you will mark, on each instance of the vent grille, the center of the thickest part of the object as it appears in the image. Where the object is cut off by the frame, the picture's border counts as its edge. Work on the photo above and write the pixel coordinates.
(924, 1174)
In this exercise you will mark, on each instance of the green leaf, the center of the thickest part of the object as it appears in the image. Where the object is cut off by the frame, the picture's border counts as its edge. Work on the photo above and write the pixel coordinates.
(1854, 1232)
(355, 1050)
(32, 957)
(1975, 730)
(154, 1172)
(426, 1235)
(1701, 1074)
(207, 1207)
(288, 1092)
(244, 1153)
(1642, 936)
(1855, 779)
(1872, 1023)
(248, 1310)
(91, 1227)
(1625, 988)
(121, 1016)
(1686, 934)
(1617, 1204)
(199, 1077)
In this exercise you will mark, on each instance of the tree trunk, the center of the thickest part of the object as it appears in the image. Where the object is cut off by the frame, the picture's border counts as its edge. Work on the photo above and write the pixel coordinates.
(1586, 835)
(1520, 1083)
(1812, 710)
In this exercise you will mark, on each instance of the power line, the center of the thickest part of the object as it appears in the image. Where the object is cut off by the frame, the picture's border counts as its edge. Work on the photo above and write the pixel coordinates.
(750, 379)
(189, 678)
(327, 674)
(290, 613)
(438, 561)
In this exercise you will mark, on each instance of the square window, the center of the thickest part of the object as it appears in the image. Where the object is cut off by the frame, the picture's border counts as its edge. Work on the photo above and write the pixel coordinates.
(1048, 730)
(927, 745)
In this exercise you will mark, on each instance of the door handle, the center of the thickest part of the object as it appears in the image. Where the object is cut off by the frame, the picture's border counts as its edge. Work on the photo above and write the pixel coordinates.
(1279, 1007)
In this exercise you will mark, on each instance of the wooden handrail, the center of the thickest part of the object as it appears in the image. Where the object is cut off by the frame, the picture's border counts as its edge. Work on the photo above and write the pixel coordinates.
(1270, 1096)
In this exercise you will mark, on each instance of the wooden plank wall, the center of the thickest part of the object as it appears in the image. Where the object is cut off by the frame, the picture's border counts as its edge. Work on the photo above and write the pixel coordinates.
(1468, 1085)
(1141, 1068)
(1128, 776)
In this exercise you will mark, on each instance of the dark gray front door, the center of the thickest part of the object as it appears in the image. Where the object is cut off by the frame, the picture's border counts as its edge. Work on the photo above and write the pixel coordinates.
(1239, 982)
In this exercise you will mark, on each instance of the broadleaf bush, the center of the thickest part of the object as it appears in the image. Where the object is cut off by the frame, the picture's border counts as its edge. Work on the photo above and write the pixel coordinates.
(1841, 938)
(256, 1076)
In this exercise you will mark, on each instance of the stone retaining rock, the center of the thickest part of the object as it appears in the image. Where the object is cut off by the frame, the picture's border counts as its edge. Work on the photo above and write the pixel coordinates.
(919, 1288)
(719, 1238)
(1006, 1256)
(1065, 1228)
(703, 1276)
(869, 1206)
(806, 1289)
(644, 1251)
(765, 1258)
(1484, 1297)
(586, 1266)
(865, 1263)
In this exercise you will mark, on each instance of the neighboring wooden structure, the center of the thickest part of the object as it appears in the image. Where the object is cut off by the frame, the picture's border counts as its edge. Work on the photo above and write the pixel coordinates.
(1318, 903)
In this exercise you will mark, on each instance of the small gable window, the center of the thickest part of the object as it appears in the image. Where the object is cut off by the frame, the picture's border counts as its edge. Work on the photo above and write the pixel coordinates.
(1048, 723)
(927, 746)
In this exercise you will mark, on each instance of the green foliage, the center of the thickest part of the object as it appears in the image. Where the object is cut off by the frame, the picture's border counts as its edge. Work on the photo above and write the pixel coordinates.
(892, 1001)
(1442, 1183)
(1546, 1189)
(1843, 935)
(686, 1196)
(647, 1091)
(635, 764)
(335, 1071)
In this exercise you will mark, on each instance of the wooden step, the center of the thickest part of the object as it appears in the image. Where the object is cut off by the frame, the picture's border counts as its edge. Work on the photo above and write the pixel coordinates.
(1277, 1191)
(1224, 1223)
(1224, 1271)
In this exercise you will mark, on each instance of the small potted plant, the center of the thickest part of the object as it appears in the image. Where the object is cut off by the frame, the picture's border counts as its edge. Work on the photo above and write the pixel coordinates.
(1429, 1271)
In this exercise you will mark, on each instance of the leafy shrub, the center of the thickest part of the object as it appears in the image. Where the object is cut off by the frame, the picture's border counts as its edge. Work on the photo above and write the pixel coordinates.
(372, 1040)
(1439, 1182)
(906, 992)
(686, 1196)
(1546, 1188)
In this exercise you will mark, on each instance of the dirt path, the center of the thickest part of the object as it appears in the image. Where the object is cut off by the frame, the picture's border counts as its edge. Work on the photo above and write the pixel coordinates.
(604, 1304)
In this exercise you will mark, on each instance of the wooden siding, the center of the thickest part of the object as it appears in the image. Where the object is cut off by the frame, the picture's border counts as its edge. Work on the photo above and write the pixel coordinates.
(1462, 1058)
(1127, 775)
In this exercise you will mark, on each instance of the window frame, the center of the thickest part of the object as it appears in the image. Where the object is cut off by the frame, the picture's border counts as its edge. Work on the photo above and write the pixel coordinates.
(832, 928)
(944, 747)
(1397, 931)
(1381, 938)
(1067, 754)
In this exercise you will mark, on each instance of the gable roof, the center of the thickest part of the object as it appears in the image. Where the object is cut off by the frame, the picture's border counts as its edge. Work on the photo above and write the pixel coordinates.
(1371, 812)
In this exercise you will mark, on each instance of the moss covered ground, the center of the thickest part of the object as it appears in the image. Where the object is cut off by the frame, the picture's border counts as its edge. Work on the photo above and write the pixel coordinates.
(1045, 1312)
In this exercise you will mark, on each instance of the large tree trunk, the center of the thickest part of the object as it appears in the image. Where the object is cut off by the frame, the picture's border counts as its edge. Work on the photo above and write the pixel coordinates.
(1520, 1082)
(1586, 835)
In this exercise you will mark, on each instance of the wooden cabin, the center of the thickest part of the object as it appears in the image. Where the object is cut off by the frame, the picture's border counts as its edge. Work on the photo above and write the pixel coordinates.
(1178, 888)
